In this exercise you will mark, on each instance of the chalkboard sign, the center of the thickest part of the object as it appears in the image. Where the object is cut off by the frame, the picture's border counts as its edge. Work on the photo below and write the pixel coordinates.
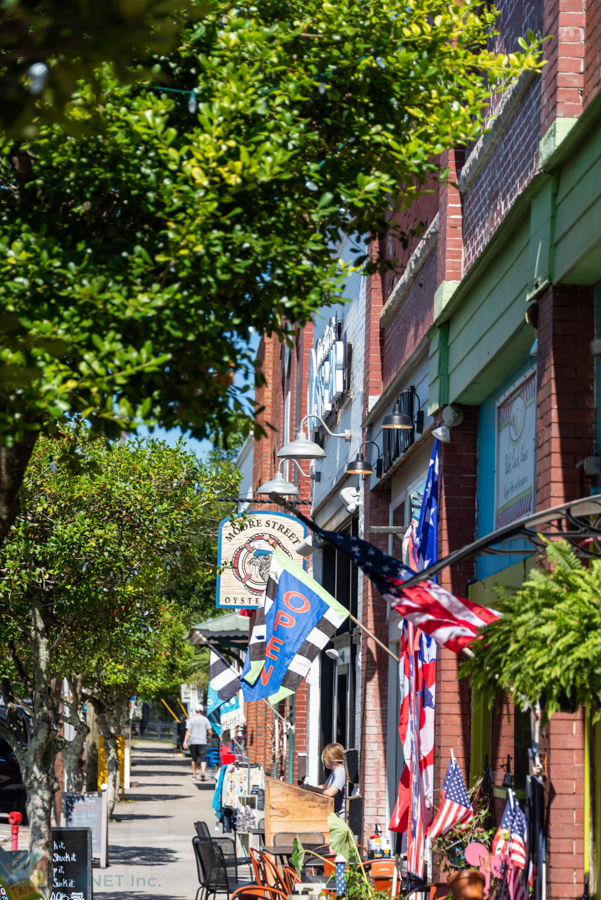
(71, 864)
(88, 811)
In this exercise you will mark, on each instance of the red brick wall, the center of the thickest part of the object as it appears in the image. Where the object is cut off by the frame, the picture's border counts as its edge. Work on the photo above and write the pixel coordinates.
(507, 172)
(563, 77)
(563, 740)
(592, 56)
(457, 526)
(566, 393)
(410, 325)
(565, 435)
(450, 239)
(374, 680)
(372, 373)
(420, 214)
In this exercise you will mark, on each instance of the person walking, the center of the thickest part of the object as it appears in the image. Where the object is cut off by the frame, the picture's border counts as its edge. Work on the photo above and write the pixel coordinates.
(198, 730)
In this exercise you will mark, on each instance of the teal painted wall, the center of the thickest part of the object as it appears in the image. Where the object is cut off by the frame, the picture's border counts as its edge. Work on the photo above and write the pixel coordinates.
(490, 565)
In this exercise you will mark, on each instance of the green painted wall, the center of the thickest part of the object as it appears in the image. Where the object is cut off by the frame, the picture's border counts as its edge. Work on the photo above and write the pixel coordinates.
(551, 235)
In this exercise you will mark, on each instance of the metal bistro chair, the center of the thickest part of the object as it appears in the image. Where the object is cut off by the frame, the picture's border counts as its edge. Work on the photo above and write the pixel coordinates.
(212, 870)
(228, 847)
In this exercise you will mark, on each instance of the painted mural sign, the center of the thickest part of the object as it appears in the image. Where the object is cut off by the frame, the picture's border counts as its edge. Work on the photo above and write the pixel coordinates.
(516, 442)
(245, 549)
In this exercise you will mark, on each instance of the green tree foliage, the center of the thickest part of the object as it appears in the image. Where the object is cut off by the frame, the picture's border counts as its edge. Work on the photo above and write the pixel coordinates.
(102, 531)
(140, 241)
(547, 644)
(69, 39)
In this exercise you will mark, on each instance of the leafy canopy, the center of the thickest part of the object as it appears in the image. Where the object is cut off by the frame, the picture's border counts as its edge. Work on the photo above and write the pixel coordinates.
(94, 552)
(139, 242)
(547, 644)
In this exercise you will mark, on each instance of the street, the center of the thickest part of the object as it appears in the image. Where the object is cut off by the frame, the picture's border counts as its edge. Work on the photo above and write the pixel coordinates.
(150, 846)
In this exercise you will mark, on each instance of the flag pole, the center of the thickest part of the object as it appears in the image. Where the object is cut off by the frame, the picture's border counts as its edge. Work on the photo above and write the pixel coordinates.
(278, 499)
(207, 643)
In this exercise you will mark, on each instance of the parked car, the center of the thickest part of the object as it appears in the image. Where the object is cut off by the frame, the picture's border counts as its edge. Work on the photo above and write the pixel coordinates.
(12, 791)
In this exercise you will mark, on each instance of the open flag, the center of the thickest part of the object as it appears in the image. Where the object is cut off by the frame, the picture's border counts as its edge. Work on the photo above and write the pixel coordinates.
(296, 619)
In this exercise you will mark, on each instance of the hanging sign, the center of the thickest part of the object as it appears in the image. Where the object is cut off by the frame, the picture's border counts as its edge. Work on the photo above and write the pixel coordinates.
(245, 550)
(516, 442)
(327, 372)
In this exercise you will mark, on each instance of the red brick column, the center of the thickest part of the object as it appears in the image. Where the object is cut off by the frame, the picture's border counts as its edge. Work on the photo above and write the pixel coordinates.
(565, 435)
(374, 339)
(565, 427)
(450, 224)
(457, 524)
(563, 76)
(374, 679)
(564, 742)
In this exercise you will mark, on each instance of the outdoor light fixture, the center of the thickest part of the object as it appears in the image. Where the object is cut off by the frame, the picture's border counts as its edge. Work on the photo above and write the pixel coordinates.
(397, 419)
(302, 448)
(333, 654)
(279, 484)
(360, 466)
(443, 434)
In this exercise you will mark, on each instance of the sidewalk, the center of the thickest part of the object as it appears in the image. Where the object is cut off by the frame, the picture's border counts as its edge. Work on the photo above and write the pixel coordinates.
(150, 847)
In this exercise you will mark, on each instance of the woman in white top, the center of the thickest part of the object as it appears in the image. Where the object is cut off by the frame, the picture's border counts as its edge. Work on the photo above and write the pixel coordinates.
(335, 784)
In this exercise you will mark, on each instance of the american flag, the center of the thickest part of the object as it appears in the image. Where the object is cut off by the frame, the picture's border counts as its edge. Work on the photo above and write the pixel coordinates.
(455, 807)
(510, 839)
(413, 809)
(451, 621)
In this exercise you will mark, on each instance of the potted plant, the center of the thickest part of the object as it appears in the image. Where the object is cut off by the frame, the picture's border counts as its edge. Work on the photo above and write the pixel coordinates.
(342, 842)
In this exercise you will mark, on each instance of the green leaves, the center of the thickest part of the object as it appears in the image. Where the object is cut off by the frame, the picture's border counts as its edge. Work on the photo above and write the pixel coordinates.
(298, 855)
(547, 645)
(140, 243)
(341, 838)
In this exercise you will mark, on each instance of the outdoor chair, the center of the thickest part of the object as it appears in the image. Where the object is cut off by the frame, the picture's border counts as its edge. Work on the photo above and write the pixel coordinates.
(382, 872)
(212, 870)
(305, 837)
(256, 892)
(228, 847)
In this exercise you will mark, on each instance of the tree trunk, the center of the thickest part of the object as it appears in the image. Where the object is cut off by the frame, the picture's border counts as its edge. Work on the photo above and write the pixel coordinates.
(13, 462)
(72, 751)
(36, 761)
(111, 725)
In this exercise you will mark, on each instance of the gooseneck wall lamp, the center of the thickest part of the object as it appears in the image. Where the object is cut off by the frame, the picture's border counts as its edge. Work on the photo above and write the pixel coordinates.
(397, 419)
(302, 448)
(279, 484)
(360, 466)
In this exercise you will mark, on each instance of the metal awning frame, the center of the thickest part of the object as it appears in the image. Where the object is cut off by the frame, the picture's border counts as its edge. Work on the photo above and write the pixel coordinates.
(577, 522)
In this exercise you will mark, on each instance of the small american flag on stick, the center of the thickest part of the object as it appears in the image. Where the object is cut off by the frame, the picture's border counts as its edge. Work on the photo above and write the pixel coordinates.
(455, 808)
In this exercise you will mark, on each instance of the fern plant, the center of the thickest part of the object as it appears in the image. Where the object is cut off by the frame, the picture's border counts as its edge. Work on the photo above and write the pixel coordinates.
(547, 644)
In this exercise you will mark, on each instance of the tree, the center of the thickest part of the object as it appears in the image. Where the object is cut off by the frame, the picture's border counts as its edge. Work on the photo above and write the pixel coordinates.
(47, 45)
(137, 252)
(546, 647)
(102, 530)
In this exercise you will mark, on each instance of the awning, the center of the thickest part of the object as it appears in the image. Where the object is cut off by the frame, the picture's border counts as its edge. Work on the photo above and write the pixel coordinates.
(578, 523)
(227, 632)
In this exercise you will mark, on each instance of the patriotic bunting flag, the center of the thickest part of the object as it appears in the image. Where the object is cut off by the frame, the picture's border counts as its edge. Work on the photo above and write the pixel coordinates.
(296, 619)
(455, 806)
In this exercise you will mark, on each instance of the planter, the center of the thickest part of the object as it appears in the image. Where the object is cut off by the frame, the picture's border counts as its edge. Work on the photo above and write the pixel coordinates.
(467, 885)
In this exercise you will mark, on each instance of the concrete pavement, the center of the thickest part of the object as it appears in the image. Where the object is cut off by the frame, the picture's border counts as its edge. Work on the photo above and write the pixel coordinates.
(150, 846)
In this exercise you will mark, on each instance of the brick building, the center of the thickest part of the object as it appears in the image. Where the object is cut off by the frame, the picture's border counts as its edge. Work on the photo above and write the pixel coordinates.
(498, 299)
